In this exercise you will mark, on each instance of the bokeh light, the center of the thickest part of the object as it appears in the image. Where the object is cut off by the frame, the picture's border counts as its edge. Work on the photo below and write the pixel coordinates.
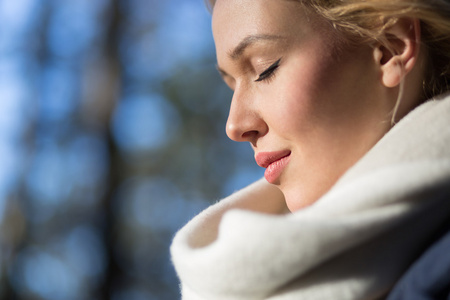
(144, 123)
(112, 136)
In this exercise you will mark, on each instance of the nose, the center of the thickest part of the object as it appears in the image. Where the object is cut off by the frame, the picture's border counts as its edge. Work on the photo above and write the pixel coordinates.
(245, 122)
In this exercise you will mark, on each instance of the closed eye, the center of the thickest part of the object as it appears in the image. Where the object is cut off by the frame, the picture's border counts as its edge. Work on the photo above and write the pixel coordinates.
(267, 73)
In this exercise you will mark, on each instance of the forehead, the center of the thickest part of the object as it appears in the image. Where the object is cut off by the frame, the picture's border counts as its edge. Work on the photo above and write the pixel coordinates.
(233, 20)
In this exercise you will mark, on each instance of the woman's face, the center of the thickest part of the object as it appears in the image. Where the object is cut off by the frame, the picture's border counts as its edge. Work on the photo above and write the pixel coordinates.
(309, 104)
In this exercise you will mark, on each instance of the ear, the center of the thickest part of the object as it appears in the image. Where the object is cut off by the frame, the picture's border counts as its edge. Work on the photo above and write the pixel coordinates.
(398, 57)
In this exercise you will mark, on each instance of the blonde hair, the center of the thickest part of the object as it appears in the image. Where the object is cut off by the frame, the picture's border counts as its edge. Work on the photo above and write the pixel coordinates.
(366, 21)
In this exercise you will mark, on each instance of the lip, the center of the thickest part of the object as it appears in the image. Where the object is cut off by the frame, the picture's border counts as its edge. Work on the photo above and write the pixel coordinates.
(274, 162)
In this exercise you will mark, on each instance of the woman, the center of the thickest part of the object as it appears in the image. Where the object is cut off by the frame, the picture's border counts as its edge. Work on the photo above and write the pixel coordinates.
(344, 104)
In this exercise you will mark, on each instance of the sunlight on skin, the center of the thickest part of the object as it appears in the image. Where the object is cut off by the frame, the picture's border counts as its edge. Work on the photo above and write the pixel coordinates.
(300, 92)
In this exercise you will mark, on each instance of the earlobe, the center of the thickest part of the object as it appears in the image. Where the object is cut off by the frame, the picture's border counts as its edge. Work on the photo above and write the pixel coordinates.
(393, 73)
(398, 56)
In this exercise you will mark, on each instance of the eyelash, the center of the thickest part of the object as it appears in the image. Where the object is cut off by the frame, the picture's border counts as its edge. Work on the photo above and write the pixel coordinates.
(269, 72)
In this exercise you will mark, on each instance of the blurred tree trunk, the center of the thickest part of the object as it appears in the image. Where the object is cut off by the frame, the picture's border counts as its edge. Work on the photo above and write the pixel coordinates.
(113, 271)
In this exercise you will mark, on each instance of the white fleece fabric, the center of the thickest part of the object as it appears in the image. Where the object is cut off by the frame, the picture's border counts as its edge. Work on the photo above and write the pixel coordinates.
(353, 243)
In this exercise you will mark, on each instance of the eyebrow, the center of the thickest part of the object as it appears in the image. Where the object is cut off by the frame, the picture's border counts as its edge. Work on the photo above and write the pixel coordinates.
(235, 53)
(248, 41)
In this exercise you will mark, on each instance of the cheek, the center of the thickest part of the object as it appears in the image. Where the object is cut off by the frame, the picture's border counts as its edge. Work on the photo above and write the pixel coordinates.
(300, 95)
(321, 89)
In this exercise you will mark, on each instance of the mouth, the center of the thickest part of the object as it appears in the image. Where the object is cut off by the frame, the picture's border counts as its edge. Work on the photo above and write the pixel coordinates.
(273, 162)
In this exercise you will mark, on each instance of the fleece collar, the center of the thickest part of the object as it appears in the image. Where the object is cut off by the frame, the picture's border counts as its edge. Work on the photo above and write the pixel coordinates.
(353, 243)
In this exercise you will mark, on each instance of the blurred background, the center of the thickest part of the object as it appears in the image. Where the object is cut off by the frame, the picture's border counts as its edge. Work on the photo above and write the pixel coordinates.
(112, 137)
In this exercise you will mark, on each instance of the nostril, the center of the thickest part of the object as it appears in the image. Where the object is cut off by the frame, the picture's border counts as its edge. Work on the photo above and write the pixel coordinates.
(251, 134)
(240, 133)
(251, 137)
